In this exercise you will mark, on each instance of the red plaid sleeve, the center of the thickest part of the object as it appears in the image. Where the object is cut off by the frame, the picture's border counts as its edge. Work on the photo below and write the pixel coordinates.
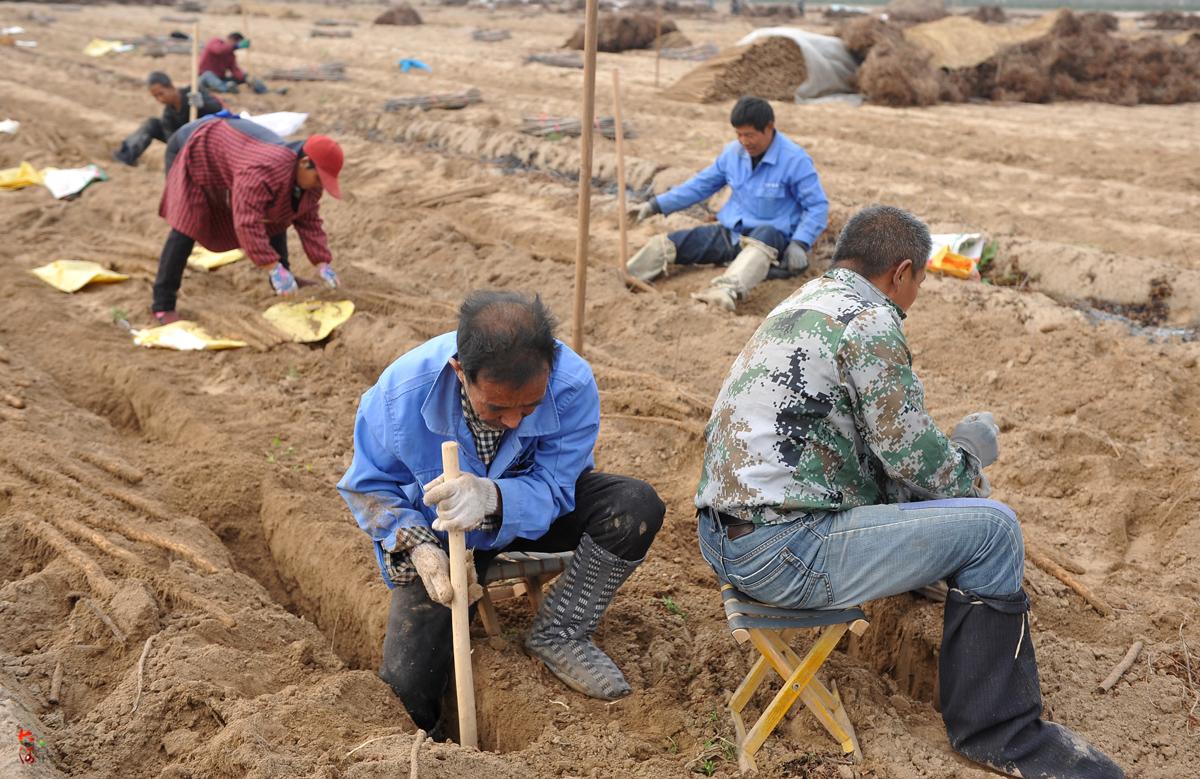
(312, 234)
(251, 199)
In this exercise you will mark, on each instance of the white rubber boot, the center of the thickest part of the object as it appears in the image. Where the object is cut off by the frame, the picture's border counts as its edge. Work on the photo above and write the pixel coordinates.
(653, 259)
(746, 271)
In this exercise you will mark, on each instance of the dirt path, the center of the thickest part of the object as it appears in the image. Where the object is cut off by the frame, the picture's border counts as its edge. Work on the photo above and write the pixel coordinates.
(189, 497)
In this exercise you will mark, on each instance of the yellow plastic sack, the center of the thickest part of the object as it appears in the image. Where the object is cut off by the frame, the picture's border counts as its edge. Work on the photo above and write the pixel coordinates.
(17, 178)
(951, 264)
(74, 275)
(306, 321)
(183, 336)
(203, 259)
(98, 47)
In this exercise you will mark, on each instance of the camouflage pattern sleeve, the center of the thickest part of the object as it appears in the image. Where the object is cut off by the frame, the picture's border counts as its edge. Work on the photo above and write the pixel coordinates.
(888, 403)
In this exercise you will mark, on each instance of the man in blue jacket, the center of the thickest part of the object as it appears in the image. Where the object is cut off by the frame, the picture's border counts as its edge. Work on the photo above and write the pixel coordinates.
(525, 412)
(776, 211)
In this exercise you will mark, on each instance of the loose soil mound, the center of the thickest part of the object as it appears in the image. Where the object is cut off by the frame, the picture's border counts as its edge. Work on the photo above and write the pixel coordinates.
(771, 68)
(673, 40)
(915, 11)
(862, 33)
(401, 14)
(622, 32)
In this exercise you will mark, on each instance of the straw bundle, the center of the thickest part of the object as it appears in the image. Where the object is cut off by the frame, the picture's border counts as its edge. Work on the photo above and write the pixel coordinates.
(569, 60)
(444, 100)
(326, 71)
(549, 126)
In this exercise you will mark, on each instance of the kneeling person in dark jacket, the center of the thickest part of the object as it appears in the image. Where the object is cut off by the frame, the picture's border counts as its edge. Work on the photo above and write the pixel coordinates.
(176, 109)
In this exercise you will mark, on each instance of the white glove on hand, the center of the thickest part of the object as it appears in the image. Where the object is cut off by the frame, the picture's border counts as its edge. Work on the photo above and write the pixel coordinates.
(977, 434)
(795, 259)
(433, 566)
(195, 100)
(645, 211)
(462, 502)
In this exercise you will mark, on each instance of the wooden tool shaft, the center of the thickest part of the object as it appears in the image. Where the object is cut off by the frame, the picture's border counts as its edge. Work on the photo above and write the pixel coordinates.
(657, 41)
(464, 679)
(619, 128)
(194, 112)
(585, 172)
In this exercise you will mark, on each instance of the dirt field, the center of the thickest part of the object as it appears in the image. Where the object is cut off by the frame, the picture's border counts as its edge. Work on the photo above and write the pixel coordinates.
(190, 497)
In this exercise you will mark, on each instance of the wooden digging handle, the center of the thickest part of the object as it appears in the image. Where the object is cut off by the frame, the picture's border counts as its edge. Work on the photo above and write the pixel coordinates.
(193, 111)
(464, 680)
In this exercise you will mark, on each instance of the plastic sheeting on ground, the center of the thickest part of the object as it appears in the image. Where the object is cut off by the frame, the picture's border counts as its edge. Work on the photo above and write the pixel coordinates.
(956, 254)
(20, 177)
(183, 336)
(306, 321)
(830, 65)
(74, 275)
(68, 182)
(10, 126)
(203, 259)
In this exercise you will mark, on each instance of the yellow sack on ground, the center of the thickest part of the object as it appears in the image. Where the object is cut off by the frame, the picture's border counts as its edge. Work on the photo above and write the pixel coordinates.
(308, 320)
(203, 259)
(183, 336)
(74, 275)
(18, 178)
(98, 47)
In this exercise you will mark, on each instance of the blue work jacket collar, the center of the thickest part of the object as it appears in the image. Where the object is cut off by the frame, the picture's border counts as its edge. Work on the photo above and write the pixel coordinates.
(770, 157)
(442, 410)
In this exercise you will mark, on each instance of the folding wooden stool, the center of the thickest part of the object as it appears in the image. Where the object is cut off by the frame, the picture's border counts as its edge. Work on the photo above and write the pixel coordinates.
(513, 574)
(766, 627)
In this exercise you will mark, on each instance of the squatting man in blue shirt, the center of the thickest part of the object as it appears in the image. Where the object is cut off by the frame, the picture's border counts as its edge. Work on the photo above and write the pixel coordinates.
(775, 212)
(525, 412)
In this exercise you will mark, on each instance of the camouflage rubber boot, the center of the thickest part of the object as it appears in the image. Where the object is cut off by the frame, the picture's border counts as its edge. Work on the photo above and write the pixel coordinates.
(652, 260)
(562, 630)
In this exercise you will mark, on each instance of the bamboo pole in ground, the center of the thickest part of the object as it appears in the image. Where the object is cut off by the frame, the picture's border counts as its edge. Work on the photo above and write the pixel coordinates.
(585, 172)
(245, 32)
(464, 677)
(194, 112)
(657, 40)
(622, 216)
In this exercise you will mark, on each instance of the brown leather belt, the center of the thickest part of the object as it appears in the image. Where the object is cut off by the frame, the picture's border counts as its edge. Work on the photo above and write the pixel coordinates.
(734, 528)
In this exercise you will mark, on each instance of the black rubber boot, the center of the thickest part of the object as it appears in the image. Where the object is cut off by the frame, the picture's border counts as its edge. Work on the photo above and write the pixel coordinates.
(991, 700)
(132, 148)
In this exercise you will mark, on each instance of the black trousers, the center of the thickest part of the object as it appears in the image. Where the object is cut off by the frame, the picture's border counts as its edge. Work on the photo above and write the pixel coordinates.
(173, 260)
(621, 514)
(149, 131)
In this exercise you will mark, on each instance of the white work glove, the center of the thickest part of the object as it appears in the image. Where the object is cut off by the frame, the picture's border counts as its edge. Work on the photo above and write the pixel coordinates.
(433, 566)
(462, 502)
(795, 258)
(328, 275)
(977, 435)
(645, 211)
(195, 100)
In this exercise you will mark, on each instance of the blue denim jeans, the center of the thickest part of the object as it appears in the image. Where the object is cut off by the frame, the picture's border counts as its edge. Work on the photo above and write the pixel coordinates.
(833, 560)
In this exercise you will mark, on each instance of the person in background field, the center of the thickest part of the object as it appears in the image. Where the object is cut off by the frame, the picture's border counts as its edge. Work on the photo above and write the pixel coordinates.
(234, 184)
(525, 411)
(218, 67)
(176, 104)
(826, 484)
(776, 211)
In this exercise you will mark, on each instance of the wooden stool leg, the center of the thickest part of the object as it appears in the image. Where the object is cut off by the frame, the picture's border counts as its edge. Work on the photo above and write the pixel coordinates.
(826, 706)
(487, 613)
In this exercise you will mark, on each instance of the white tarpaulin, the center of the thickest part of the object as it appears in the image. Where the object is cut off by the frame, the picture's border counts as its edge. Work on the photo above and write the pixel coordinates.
(282, 123)
(830, 66)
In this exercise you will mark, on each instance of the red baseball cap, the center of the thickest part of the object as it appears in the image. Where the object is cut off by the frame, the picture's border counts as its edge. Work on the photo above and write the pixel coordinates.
(327, 156)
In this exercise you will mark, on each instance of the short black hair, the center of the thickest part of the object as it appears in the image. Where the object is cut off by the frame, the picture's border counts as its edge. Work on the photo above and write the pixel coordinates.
(878, 238)
(752, 111)
(237, 36)
(158, 78)
(506, 336)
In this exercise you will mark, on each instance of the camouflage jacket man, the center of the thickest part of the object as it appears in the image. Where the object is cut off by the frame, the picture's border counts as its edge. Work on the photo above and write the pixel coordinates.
(822, 411)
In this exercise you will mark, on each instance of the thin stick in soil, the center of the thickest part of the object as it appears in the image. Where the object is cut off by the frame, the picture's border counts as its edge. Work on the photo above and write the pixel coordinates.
(96, 579)
(1117, 672)
(1041, 560)
(141, 668)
